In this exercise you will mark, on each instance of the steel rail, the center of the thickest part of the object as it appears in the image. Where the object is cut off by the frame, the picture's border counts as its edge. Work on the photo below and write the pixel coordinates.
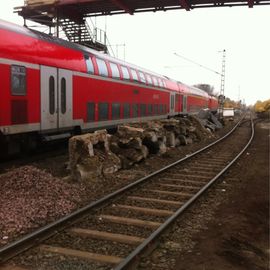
(128, 261)
(34, 238)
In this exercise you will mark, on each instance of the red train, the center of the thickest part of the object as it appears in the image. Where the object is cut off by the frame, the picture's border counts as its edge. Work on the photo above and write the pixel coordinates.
(54, 88)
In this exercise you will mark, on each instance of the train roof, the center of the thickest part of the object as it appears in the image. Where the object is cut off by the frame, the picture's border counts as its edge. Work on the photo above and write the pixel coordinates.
(170, 83)
(194, 90)
(85, 50)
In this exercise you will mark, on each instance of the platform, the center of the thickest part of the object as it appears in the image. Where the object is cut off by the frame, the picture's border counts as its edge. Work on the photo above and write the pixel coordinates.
(46, 9)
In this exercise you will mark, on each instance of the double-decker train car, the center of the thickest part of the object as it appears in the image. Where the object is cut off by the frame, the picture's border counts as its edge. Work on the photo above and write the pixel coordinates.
(52, 88)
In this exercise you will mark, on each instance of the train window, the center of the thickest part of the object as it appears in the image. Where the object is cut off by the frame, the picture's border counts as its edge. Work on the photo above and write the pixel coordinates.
(155, 109)
(160, 83)
(164, 108)
(125, 73)
(102, 68)
(160, 108)
(143, 109)
(115, 110)
(51, 95)
(126, 110)
(155, 81)
(149, 109)
(103, 109)
(63, 96)
(142, 77)
(135, 110)
(90, 111)
(89, 64)
(149, 80)
(115, 70)
(134, 75)
(163, 83)
(172, 102)
(18, 80)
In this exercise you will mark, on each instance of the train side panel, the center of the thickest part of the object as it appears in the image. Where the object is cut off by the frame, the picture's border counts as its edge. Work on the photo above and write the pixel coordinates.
(20, 107)
(196, 103)
(91, 93)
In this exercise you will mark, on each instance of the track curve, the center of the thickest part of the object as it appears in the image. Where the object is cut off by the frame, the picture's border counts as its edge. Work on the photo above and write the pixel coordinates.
(138, 213)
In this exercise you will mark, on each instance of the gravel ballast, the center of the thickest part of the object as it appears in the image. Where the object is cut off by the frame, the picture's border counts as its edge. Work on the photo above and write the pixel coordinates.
(30, 197)
(34, 196)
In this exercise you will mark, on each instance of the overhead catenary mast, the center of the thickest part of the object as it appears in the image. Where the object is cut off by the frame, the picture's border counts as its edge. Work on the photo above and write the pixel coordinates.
(221, 97)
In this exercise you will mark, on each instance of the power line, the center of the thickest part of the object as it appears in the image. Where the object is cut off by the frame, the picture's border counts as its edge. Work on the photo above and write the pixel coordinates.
(195, 63)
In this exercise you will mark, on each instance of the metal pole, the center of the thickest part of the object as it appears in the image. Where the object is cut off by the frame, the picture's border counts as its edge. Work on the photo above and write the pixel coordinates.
(221, 97)
(57, 24)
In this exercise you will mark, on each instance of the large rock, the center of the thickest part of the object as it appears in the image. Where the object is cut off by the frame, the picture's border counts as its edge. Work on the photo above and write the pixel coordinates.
(90, 156)
(129, 132)
(208, 120)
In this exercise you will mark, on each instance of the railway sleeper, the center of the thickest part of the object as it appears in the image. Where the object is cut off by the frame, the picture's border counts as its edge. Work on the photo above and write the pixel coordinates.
(148, 211)
(184, 176)
(102, 235)
(182, 187)
(196, 182)
(182, 194)
(154, 200)
(95, 257)
(130, 221)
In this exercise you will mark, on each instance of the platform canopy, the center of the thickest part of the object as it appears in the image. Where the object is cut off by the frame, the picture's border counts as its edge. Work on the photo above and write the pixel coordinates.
(46, 9)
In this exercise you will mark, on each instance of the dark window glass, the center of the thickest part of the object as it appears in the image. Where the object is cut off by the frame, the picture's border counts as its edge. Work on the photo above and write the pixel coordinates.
(126, 111)
(164, 109)
(172, 102)
(125, 73)
(115, 70)
(102, 68)
(115, 111)
(134, 75)
(160, 108)
(143, 109)
(103, 109)
(63, 96)
(135, 110)
(149, 109)
(89, 64)
(90, 111)
(18, 80)
(142, 77)
(51, 95)
(155, 108)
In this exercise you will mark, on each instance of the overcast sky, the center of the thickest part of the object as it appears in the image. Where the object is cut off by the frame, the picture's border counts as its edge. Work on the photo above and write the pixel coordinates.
(151, 39)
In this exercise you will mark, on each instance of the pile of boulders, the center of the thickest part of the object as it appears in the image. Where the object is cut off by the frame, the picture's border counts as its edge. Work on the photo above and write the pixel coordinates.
(99, 153)
(209, 120)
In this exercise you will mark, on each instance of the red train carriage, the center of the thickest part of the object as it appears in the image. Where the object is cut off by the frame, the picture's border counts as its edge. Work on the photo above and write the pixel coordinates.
(213, 103)
(53, 87)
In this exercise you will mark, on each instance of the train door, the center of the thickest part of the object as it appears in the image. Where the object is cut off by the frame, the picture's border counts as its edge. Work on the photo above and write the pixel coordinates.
(184, 104)
(172, 103)
(56, 98)
(49, 118)
(64, 98)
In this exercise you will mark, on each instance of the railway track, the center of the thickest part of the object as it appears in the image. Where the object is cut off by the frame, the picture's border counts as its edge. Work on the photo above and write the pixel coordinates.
(116, 230)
